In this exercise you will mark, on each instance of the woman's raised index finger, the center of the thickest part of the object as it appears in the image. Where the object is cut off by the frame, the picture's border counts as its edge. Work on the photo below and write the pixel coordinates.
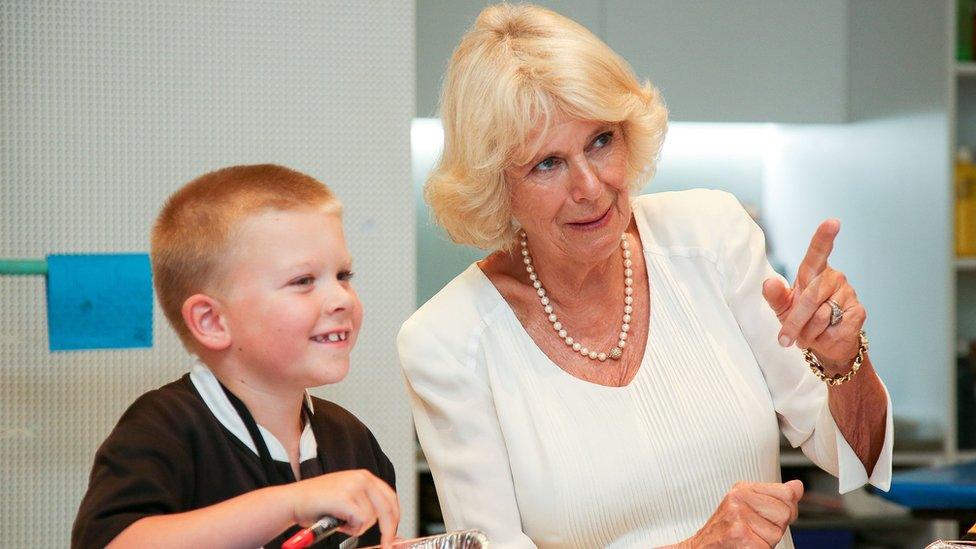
(815, 260)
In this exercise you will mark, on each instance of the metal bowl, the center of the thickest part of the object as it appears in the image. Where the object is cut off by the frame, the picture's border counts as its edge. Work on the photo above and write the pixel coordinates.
(464, 539)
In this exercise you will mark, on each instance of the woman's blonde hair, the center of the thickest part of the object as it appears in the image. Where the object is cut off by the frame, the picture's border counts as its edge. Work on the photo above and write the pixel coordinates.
(515, 70)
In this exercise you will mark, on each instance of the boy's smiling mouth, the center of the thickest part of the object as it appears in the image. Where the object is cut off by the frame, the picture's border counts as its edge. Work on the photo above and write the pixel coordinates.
(331, 337)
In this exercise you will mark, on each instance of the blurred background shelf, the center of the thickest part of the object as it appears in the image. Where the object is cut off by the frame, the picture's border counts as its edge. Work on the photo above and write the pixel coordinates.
(962, 133)
(965, 69)
(966, 263)
(966, 455)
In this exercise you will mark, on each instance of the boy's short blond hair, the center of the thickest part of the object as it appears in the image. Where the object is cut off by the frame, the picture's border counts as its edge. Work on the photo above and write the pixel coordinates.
(195, 228)
(516, 69)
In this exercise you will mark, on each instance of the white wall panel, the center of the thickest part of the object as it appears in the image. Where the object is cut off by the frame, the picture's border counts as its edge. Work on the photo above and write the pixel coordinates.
(105, 109)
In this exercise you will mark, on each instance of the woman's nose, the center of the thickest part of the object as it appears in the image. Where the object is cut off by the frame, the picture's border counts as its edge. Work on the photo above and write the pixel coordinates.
(585, 180)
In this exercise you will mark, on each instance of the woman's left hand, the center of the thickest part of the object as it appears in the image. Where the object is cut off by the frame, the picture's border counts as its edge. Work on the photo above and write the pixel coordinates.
(821, 311)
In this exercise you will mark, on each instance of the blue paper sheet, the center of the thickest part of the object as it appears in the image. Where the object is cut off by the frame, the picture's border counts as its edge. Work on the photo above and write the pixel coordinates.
(945, 487)
(99, 301)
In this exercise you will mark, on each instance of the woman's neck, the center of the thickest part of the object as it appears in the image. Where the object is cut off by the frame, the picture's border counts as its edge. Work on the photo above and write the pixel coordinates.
(575, 283)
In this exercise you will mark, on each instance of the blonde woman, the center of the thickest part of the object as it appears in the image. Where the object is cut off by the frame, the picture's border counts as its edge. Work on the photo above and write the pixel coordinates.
(618, 370)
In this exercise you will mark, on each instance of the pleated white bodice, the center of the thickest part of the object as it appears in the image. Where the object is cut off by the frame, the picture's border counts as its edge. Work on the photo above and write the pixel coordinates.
(637, 465)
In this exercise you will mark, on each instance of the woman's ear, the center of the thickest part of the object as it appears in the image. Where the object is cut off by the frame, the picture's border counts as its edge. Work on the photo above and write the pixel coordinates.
(201, 313)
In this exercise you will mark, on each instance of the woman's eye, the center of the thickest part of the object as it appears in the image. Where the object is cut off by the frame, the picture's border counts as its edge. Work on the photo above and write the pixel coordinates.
(346, 276)
(304, 281)
(546, 165)
(602, 140)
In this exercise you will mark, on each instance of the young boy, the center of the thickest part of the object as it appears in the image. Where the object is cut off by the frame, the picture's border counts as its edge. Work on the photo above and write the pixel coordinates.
(251, 269)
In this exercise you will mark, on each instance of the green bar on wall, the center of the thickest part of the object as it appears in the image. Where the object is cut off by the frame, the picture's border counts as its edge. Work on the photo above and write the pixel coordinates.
(23, 267)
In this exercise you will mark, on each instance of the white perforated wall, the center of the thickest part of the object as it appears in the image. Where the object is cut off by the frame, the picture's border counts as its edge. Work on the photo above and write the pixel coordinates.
(106, 108)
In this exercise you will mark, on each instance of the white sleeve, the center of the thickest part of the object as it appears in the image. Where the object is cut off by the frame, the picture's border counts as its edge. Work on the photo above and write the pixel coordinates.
(459, 432)
(800, 399)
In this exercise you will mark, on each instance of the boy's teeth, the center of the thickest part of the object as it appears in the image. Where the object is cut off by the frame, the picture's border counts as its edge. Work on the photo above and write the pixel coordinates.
(333, 337)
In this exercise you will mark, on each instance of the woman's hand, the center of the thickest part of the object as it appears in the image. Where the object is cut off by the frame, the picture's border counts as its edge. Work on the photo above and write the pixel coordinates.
(357, 497)
(805, 310)
(752, 514)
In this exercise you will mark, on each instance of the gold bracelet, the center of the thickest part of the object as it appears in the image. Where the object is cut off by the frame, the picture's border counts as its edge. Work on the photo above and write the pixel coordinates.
(817, 368)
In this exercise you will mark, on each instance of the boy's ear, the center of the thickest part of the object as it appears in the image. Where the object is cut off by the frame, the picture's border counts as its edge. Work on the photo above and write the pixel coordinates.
(201, 313)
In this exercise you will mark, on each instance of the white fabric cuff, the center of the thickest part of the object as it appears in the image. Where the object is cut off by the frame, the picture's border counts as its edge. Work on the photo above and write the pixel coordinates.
(851, 472)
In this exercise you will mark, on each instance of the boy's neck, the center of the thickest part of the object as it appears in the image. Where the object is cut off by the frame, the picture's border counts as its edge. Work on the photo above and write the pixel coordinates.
(276, 409)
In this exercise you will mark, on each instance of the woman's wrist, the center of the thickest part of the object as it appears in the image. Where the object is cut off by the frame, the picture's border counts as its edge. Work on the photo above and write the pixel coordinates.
(835, 372)
(834, 367)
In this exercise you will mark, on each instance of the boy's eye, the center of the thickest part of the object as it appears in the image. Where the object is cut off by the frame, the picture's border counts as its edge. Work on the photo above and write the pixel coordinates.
(303, 281)
(346, 276)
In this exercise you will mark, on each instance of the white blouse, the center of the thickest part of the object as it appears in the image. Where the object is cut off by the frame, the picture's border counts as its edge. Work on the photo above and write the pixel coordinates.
(536, 457)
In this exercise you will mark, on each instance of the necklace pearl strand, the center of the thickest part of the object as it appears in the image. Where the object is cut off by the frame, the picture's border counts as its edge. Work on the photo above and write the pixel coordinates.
(614, 353)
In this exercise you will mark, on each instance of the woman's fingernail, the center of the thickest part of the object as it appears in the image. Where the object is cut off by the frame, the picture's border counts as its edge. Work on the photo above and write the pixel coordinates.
(784, 340)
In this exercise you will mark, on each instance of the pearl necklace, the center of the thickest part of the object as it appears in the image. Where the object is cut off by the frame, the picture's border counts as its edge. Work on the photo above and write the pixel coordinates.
(617, 351)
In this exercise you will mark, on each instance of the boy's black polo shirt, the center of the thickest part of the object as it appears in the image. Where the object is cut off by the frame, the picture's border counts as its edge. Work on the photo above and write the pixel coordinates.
(170, 454)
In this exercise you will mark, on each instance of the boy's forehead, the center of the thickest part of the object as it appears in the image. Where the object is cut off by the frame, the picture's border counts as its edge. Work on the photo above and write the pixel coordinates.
(288, 235)
(268, 219)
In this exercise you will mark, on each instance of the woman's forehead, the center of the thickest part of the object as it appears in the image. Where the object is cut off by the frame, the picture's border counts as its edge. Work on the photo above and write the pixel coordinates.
(560, 133)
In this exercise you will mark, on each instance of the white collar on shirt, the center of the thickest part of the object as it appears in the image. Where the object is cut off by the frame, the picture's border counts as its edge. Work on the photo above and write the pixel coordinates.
(209, 388)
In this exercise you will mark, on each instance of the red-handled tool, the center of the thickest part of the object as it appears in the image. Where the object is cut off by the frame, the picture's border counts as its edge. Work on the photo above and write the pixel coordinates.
(325, 527)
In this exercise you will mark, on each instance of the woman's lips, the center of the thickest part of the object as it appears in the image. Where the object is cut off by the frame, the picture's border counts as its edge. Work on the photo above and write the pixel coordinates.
(595, 223)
